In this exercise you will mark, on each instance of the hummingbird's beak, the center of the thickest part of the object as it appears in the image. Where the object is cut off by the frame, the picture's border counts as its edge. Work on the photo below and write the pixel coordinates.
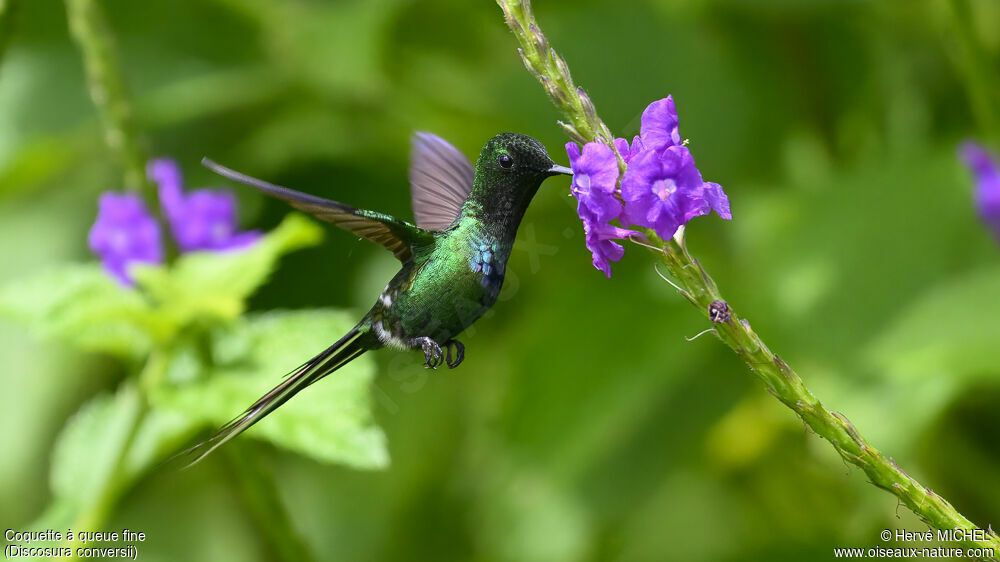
(556, 169)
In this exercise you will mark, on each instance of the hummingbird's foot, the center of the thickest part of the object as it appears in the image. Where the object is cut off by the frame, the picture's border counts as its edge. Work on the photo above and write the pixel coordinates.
(433, 355)
(459, 353)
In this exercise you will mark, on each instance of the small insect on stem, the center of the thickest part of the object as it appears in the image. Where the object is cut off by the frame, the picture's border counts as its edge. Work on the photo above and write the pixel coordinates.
(718, 312)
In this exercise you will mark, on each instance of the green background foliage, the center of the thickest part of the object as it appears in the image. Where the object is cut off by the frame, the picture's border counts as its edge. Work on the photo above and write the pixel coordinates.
(582, 425)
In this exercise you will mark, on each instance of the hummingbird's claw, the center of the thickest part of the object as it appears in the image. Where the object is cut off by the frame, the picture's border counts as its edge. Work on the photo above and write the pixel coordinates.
(433, 355)
(459, 353)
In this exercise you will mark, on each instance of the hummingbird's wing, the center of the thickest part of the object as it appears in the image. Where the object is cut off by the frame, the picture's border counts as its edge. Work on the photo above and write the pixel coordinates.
(440, 181)
(399, 237)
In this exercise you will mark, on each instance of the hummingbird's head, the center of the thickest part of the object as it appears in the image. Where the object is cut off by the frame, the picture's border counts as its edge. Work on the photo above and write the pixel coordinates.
(510, 169)
(515, 159)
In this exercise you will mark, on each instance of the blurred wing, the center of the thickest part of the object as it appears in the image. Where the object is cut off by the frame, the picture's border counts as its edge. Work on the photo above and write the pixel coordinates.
(440, 181)
(395, 235)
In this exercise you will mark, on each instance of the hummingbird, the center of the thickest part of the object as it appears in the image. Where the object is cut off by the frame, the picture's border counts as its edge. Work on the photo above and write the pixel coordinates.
(453, 259)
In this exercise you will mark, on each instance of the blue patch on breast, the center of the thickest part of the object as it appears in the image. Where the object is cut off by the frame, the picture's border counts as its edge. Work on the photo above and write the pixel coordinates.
(484, 260)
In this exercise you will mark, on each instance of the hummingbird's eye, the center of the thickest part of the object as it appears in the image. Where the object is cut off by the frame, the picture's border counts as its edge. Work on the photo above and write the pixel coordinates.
(505, 161)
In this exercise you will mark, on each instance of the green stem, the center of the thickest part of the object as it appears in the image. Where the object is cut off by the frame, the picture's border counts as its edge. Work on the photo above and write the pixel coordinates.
(107, 88)
(8, 8)
(260, 497)
(96, 514)
(695, 284)
(552, 71)
(781, 381)
(973, 62)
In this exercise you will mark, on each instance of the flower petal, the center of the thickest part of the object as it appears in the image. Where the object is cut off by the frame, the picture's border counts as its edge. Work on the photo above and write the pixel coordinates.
(595, 177)
(167, 175)
(203, 219)
(659, 128)
(987, 175)
(718, 200)
(124, 233)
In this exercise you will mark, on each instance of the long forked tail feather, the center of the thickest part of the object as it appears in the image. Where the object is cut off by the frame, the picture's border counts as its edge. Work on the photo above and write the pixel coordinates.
(279, 191)
(342, 352)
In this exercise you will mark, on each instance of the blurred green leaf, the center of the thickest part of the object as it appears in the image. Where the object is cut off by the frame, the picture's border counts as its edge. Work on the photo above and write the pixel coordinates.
(160, 434)
(214, 285)
(310, 40)
(37, 163)
(90, 445)
(80, 304)
(300, 133)
(953, 330)
(209, 94)
(530, 517)
(101, 451)
(330, 421)
(86, 456)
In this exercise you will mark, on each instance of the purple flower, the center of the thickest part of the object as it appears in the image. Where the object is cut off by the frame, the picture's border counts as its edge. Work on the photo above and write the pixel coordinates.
(595, 175)
(663, 190)
(203, 219)
(599, 241)
(123, 234)
(659, 125)
(987, 174)
(629, 152)
(717, 199)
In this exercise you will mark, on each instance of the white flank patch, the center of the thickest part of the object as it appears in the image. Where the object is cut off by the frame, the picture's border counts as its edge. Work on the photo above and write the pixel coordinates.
(387, 338)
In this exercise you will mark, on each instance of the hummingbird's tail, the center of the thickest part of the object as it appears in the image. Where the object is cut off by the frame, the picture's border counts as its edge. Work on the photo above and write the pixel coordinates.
(342, 352)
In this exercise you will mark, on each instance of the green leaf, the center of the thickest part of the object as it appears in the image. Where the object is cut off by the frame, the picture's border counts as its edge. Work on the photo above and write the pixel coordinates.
(952, 331)
(160, 434)
(91, 444)
(80, 304)
(104, 449)
(330, 421)
(86, 455)
(215, 285)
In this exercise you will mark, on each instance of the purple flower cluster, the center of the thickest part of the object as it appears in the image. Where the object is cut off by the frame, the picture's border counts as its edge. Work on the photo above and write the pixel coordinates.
(123, 234)
(126, 233)
(986, 170)
(661, 188)
(203, 219)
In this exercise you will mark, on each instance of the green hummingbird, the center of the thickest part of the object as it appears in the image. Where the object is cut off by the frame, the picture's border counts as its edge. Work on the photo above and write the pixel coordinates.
(453, 258)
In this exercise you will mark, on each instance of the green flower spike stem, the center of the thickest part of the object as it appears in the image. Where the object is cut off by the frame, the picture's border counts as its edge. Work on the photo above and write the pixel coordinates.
(544, 63)
(107, 88)
(7, 11)
(698, 287)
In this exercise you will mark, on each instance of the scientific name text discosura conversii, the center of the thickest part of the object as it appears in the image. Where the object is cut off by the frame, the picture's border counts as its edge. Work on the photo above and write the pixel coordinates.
(68, 544)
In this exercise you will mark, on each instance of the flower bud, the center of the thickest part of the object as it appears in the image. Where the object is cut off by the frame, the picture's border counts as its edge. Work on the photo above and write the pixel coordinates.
(539, 41)
(555, 92)
(513, 23)
(527, 63)
(562, 67)
(572, 133)
(588, 106)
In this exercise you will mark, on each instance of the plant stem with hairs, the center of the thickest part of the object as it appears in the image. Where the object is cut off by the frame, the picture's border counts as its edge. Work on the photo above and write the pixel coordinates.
(107, 88)
(698, 287)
